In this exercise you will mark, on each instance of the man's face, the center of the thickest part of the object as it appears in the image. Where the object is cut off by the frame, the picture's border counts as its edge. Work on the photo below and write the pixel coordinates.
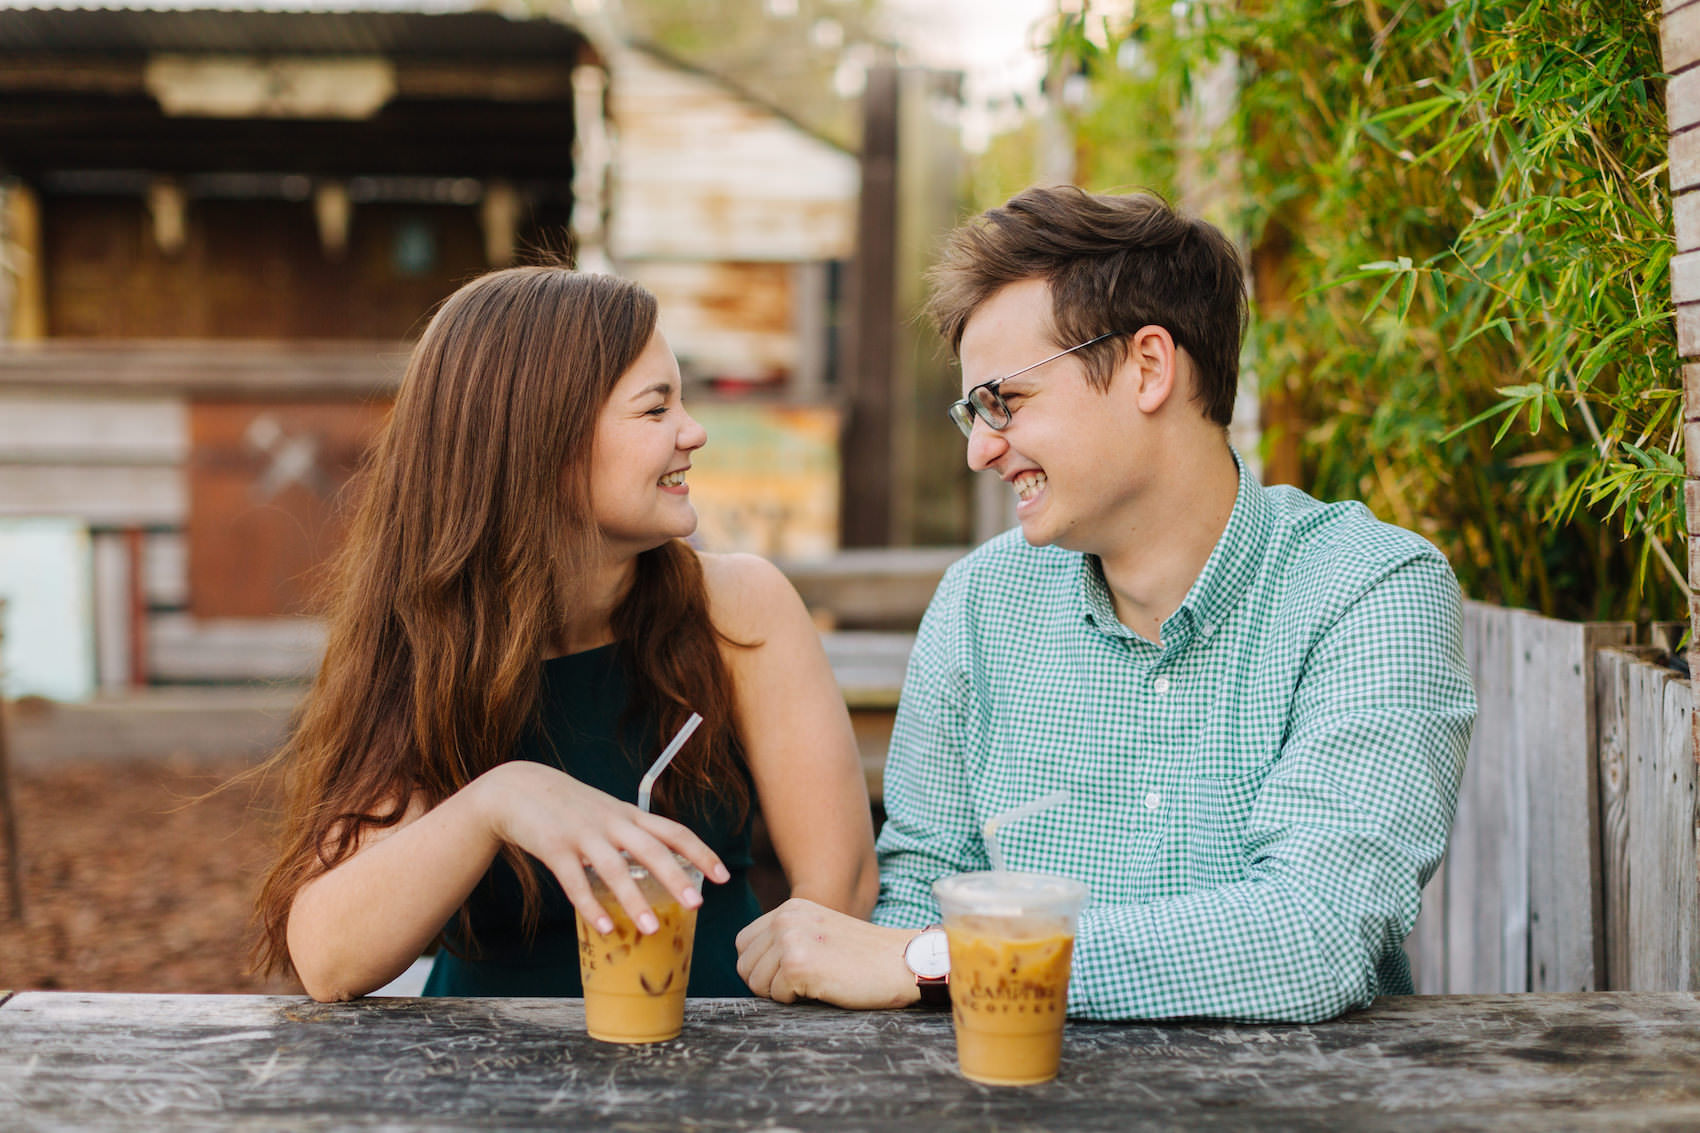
(1070, 453)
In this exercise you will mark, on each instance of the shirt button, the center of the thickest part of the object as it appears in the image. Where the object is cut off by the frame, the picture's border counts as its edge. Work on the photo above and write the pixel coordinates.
(1153, 801)
(1160, 685)
(1206, 629)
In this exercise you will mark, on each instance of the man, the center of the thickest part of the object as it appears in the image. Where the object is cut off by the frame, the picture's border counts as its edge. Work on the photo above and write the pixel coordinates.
(1257, 703)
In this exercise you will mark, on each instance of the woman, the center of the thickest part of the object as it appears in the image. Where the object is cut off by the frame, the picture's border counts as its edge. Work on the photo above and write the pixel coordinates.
(518, 630)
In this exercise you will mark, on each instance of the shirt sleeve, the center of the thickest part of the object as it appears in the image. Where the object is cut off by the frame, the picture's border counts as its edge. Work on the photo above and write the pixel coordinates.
(1349, 822)
(929, 830)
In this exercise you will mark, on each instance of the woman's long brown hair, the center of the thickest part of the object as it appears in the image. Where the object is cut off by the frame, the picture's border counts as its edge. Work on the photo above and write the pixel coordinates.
(458, 572)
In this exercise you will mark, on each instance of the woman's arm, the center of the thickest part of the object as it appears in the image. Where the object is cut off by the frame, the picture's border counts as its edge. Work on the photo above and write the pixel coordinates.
(796, 734)
(357, 926)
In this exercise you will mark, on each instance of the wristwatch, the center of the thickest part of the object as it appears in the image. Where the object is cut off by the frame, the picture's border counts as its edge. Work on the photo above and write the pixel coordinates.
(928, 955)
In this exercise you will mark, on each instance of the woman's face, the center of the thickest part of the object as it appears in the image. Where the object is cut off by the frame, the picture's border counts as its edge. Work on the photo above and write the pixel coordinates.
(642, 450)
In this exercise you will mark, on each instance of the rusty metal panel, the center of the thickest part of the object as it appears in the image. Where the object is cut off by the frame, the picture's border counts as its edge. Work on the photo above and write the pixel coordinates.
(729, 321)
(707, 173)
(265, 506)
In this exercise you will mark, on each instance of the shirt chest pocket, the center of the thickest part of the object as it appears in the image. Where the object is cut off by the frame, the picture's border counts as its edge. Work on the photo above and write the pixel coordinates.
(1228, 762)
(1211, 828)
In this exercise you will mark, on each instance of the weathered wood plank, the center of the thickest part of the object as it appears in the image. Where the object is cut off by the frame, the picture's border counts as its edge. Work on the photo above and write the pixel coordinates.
(206, 367)
(1557, 733)
(868, 666)
(1677, 833)
(1462, 850)
(1514, 811)
(1660, 882)
(185, 648)
(1665, 636)
(1611, 700)
(40, 428)
(1427, 942)
(873, 587)
(732, 320)
(870, 359)
(114, 624)
(100, 495)
(1481, 915)
(1501, 1063)
(707, 174)
(165, 569)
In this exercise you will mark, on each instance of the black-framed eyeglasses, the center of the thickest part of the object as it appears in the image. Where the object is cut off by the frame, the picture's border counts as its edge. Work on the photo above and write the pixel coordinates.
(984, 400)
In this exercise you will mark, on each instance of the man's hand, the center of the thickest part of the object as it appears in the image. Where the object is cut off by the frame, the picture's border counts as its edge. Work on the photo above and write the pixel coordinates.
(802, 950)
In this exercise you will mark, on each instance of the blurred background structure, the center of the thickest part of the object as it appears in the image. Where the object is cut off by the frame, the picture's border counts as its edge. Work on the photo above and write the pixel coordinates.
(222, 228)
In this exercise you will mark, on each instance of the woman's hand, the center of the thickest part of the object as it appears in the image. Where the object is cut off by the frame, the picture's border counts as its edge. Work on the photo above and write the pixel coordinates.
(568, 825)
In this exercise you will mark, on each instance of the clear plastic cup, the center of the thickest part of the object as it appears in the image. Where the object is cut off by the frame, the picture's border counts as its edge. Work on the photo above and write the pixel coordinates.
(1011, 946)
(634, 985)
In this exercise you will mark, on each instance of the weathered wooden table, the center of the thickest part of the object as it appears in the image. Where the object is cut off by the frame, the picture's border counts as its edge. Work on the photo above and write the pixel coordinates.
(76, 1061)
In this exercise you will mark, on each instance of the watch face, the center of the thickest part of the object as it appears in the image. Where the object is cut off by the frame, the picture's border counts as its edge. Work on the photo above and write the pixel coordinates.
(928, 955)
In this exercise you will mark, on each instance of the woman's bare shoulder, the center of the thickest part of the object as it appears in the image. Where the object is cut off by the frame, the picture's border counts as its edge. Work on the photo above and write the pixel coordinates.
(747, 593)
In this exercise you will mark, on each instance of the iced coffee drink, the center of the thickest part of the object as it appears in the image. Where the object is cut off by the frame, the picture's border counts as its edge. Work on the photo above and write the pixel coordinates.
(1011, 945)
(634, 985)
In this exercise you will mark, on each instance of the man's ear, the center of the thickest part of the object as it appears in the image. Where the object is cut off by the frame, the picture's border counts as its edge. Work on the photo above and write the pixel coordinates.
(1155, 365)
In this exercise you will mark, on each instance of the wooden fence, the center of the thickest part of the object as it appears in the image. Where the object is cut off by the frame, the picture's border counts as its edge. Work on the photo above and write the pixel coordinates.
(1572, 864)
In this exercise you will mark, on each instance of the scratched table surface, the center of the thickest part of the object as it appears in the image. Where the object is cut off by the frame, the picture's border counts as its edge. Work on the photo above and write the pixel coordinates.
(83, 1061)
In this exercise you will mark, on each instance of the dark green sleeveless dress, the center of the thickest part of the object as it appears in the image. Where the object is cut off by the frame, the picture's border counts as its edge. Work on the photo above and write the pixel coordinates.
(580, 731)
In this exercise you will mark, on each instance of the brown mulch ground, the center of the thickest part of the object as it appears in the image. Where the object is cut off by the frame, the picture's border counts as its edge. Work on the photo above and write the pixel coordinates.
(132, 881)
(136, 879)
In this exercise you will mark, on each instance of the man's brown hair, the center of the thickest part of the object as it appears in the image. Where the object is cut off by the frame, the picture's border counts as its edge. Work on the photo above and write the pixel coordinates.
(1115, 264)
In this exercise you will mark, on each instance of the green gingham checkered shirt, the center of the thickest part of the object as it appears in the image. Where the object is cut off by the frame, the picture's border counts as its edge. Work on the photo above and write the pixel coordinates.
(1255, 803)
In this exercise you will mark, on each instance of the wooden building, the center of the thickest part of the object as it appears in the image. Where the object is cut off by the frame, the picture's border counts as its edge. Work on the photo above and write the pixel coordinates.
(221, 228)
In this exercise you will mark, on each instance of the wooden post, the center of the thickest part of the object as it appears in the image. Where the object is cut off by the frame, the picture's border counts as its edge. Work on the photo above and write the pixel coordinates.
(137, 604)
(8, 815)
(1280, 414)
(21, 228)
(931, 496)
(1679, 40)
(1611, 701)
(1558, 727)
(865, 515)
(1517, 904)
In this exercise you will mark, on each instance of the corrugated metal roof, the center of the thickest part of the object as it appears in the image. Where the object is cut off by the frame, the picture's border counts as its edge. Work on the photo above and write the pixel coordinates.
(112, 32)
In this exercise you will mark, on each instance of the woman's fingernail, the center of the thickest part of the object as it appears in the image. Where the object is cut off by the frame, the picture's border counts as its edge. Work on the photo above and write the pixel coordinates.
(690, 898)
(721, 874)
(648, 923)
(605, 925)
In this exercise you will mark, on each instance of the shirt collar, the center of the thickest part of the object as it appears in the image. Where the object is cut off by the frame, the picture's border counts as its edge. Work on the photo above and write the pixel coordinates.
(1228, 573)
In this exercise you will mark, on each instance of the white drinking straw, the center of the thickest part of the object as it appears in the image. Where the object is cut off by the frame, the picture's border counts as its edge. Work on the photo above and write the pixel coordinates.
(666, 757)
(990, 831)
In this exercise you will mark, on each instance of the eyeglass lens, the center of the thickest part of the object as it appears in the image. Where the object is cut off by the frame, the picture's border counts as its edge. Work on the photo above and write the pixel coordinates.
(985, 401)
